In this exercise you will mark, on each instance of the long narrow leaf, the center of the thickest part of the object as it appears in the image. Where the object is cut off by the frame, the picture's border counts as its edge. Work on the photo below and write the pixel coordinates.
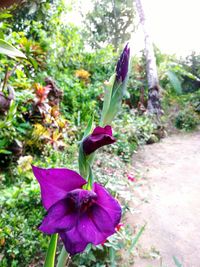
(107, 98)
(50, 256)
(176, 261)
(89, 127)
(174, 82)
(63, 257)
(9, 50)
(137, 237)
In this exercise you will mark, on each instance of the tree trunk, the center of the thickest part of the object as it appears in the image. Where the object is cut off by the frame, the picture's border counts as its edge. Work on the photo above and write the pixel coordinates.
(153, 105)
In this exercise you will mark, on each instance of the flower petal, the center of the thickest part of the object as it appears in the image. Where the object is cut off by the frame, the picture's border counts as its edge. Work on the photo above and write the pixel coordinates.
(95, 228)
(108, 203)
(59, 217)
(95, 225)
(83, 233)
(100, 130)
(73, 241)
(55, 183)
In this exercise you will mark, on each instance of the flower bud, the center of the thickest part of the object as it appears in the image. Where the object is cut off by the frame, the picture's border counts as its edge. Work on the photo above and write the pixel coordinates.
(100, 137)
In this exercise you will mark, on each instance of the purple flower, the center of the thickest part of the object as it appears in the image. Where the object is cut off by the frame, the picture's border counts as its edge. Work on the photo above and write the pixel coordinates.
(100, 137)
(80, 216)
(122, 64)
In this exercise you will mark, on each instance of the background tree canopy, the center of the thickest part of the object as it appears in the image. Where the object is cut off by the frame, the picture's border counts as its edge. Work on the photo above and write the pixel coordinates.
(110, 22)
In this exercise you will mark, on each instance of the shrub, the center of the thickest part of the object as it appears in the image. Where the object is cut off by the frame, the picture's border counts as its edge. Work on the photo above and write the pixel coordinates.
(187, 119)
(21, 213)
(131, 130)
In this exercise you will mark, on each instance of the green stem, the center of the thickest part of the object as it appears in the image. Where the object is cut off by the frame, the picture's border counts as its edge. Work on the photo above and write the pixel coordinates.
(50, 256)
(63, 259)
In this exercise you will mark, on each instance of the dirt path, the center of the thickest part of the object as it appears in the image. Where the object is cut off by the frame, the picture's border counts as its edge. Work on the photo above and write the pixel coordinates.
(169, 202)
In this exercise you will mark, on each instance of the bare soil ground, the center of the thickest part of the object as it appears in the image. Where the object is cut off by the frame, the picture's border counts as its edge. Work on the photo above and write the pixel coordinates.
(168, 200)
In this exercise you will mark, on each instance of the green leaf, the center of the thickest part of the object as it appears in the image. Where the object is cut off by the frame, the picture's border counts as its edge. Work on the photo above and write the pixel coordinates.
(89, 127)
(112, 255)
(33, 62)
(9, 50)
(4, 151)
(5, 15)
(63, 257)
(107, 98)
(174, 82)
(176, 261)
(50, 256)
(136, 238)
(11, 112)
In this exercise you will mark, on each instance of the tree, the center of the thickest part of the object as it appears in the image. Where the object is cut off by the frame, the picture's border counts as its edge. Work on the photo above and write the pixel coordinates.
(153, 105)
(110, 21)
(32, 16)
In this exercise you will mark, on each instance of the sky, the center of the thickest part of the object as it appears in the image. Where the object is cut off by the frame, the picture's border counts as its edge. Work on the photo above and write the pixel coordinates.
(174, 25)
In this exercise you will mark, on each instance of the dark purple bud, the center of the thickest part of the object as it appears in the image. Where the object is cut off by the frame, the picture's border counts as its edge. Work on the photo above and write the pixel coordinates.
(100, 137)
(122, 64)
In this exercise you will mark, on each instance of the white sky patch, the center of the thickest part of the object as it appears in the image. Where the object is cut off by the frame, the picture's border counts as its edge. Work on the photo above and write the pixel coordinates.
(174, 25)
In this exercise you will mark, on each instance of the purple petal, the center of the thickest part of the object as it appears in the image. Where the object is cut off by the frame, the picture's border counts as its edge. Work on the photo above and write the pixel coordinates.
(108, 203)
(73, 241)
(100, 130)
(85, 232)
(100, 137)
(59, 217)
(56, 183)
(96, 226)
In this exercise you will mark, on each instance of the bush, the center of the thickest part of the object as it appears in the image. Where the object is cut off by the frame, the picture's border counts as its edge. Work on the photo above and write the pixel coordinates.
(187, 119)
(21, 213)
(131, 130)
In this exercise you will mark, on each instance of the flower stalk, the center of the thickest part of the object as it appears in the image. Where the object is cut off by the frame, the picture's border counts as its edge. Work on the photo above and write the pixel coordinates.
(116, 88)
(74, 201)
(50, 256)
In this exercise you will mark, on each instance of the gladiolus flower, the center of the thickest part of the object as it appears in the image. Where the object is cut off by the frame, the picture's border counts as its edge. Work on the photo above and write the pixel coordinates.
(79, 216)
(122, 64)
(100, 137)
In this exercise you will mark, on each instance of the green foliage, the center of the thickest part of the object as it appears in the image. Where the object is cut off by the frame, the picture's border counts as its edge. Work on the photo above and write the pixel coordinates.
(191, 64)
(21, 213)
(183, 110)
(194, 100)
(109, 22)
(9, 50)
(178, 75)
(187, 119)
(174, 81)
(42, 12)
(131, 131)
